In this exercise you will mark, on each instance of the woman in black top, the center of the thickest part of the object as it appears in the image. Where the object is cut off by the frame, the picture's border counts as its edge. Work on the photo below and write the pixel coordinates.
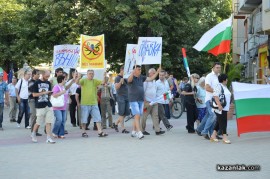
(189, 92)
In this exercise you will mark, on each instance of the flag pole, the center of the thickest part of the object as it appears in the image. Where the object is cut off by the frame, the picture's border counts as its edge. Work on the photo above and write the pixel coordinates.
(225, 63)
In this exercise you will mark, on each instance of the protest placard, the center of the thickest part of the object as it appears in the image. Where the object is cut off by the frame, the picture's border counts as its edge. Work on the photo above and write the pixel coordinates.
(130, 60)
(149, 50)
(66, 56)
(92, 51)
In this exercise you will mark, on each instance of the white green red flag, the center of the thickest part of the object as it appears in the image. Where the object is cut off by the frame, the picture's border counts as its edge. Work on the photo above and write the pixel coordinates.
(252, 103)
(217, 40)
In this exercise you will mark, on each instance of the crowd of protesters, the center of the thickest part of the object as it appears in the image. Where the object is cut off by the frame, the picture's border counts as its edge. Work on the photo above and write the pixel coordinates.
(89, 99)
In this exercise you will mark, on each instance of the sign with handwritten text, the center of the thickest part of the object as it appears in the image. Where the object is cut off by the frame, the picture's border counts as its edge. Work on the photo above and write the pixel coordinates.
(66, 56)
(131, 55)
(149, 50)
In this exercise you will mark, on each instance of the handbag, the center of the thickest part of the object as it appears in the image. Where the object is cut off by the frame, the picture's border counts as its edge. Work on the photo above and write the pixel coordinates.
(58, 101)
(222, 100)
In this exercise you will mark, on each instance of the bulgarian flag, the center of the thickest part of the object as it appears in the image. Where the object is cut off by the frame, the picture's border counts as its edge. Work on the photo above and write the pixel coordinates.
(252, 103)
(218, 39)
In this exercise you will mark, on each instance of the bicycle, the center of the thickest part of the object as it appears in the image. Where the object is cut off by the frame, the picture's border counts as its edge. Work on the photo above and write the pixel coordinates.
(176, 108)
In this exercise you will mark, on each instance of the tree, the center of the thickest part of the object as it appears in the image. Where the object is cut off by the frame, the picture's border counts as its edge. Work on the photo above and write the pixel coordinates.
(45, 23)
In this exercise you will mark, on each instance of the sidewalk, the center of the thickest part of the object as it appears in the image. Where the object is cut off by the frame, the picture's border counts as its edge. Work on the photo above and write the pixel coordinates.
(174, 155)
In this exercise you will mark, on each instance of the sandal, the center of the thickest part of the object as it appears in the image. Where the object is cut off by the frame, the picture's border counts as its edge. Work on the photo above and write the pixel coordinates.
(54, 136)
(124, 131)
(116, 128)
(61, 137)
(84, 135)
(102, 134)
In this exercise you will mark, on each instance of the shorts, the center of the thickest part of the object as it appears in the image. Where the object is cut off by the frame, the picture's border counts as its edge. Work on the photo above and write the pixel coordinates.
(86, 110)
(44, 115)
(136, 107)
(123, 106)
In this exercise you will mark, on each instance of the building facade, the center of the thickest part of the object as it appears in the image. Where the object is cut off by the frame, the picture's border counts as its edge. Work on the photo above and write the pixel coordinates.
(252, 21)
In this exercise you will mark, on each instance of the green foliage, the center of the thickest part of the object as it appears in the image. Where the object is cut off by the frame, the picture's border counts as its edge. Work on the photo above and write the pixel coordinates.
(234, 73)
(35, 26)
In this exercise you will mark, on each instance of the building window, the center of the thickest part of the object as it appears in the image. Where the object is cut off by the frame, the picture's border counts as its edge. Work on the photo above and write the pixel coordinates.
(267, 8)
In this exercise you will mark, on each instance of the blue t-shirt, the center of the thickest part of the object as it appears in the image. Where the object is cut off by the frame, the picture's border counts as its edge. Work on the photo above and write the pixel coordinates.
(3, 89)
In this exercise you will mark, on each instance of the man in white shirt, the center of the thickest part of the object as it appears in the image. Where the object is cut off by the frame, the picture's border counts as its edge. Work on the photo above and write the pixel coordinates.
(150, 91)
(207, 124)
(163, 87)
(22, 97)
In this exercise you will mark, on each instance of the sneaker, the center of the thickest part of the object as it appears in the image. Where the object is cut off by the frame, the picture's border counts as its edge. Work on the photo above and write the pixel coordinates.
(133, 134)
(160, 132)
(34, 138)
(28, 127)
(140, 135)
(18, 125)
(169, 127)
(38, 134)
(50, 141)
(146, 133)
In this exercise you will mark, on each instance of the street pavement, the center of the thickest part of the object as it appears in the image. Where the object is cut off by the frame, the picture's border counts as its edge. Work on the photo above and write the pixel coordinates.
(174, 155)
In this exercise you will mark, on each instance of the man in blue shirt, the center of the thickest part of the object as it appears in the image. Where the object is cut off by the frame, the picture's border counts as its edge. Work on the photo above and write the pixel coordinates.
(12, 99)
(3, 92)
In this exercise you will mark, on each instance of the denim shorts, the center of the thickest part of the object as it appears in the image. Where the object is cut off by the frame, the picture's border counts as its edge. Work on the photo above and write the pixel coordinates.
(123, 106)
(136, 107)
(86, 110)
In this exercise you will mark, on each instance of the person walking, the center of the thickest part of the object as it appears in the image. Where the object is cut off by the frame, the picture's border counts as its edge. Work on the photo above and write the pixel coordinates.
(105, 104)
(22, 94)
(136, 97)
(113, 102)
(200, 100)
(150, 95)
(60, 112)
(41, 93)
(162, 88)
(4, 99)
(221, 112)
(122, 100)
(89, 103)
(207, 124)
(190, 91)
(12, 99)
(73, 103)
(32, 119)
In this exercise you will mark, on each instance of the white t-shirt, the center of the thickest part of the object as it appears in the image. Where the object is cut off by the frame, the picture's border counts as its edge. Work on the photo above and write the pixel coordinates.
(150, 90)
(227, 93)
(212, 80)
(73, 87)
(162, 87)
(24, 88)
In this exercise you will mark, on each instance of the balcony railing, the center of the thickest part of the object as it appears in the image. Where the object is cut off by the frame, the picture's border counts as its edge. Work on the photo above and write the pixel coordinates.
(248, 6)
(257, 22)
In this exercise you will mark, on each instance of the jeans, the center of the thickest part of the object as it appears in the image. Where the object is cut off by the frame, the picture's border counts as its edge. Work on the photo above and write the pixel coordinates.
(24, 110)
(1, 113)
(207, 124)
(167, 111)
(59, 124)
